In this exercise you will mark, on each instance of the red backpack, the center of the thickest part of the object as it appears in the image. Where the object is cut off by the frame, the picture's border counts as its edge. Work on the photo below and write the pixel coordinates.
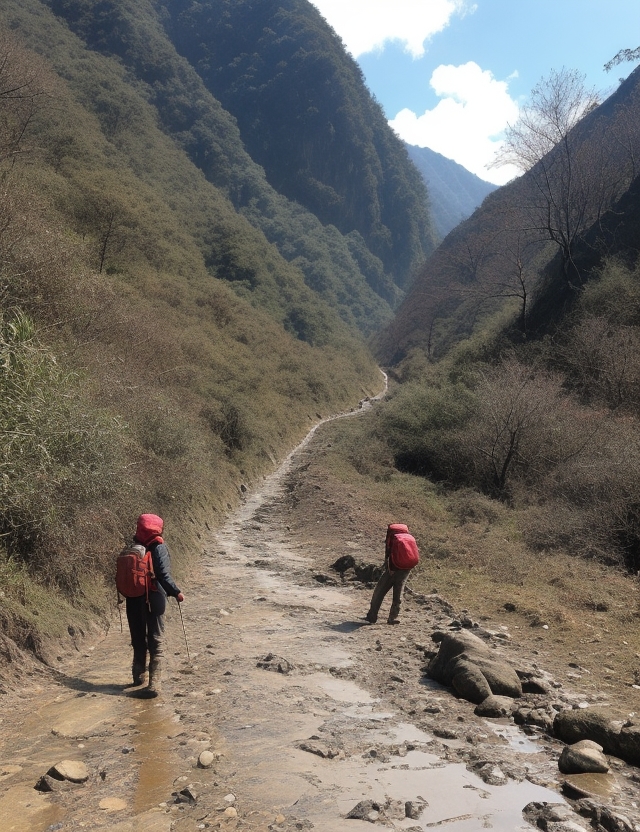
(404, 551)
(134, 571)
(392, 530)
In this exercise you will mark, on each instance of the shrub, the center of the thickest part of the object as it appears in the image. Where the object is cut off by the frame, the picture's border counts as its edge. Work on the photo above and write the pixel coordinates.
(58, 453)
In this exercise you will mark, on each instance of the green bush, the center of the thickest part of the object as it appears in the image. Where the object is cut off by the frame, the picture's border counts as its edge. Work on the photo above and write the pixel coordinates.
(58, 452)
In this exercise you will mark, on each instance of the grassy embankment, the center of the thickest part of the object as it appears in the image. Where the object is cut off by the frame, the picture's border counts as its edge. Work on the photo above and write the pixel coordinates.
(132, 377)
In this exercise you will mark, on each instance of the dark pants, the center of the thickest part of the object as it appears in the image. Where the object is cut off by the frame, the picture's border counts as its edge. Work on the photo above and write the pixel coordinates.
(146, 626)
(388, 580)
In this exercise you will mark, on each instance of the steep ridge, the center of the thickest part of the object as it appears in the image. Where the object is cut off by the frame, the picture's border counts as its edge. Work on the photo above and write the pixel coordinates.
(305, 115)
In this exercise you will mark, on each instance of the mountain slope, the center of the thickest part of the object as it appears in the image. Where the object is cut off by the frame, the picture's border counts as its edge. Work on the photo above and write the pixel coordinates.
(492, 264)
(157, 351)
(339, 269)
(454, 192)
(305, 115)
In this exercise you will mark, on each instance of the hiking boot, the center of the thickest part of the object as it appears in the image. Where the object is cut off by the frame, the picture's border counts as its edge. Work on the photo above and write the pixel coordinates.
(138, 671)
(371, 618)
(392, 621)
(155, 680)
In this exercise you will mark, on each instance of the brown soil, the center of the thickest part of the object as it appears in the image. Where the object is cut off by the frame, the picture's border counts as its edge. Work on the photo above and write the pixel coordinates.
(308, 711)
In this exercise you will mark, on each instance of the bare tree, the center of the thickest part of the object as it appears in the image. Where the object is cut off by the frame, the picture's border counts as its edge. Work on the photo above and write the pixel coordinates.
(522, 425)
(573, 173)
(24, 85)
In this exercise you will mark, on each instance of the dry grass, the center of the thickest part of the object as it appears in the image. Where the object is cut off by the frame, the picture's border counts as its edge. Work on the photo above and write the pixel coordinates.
(474, 555)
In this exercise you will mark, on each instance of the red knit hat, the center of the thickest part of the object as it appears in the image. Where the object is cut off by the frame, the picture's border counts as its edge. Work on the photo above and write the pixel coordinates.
(148, 527)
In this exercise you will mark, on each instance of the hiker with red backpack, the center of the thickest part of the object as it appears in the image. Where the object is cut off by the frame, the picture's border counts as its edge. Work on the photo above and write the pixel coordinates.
(143, 576)
(400, 557)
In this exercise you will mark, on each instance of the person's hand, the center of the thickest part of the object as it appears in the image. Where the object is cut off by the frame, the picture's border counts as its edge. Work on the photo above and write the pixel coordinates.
(179, 597)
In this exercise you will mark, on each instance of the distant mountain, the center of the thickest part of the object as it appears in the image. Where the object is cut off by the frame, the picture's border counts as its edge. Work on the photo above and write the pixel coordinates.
(454, 192)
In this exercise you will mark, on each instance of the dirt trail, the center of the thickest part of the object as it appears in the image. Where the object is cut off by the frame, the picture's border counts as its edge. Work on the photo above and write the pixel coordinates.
(308, 712)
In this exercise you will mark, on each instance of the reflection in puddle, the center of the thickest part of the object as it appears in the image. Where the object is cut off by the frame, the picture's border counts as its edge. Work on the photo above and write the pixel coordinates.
(602, 785)
(156, 775)
(456, 799)
(515, 737)
(342, 690)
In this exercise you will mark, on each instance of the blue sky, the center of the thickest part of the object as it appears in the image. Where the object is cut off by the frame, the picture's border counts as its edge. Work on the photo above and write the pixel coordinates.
(451, 74)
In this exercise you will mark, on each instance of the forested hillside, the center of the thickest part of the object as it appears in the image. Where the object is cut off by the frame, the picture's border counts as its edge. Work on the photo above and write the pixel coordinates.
(170, 322)
(305, 116)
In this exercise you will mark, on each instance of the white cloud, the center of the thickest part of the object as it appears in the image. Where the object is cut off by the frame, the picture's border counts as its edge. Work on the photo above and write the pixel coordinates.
(467, 123)
(365, 25)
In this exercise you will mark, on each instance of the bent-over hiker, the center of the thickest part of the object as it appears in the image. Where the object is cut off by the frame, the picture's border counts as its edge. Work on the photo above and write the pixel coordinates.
(145, 613)
(400, 556)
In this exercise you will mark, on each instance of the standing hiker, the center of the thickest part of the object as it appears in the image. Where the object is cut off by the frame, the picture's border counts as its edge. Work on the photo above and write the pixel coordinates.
(400, 556)
(145, 580)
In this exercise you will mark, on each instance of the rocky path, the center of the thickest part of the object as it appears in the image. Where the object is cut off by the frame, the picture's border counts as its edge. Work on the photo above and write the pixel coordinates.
(312, 719)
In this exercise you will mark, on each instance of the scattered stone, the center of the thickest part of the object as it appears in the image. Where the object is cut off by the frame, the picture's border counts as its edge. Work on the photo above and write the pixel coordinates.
(275, 663)
(494, 707)
(433, 709)
(72, 770)
(187, 795)
(468, 664)
(205, 760)
(279, 819)
(319, 749)
(490, 773)
(554, 817)
(230, 812)
(112, 804)
(230, 798)
(535, 685)
(583, 757)
(445, 734)
(413, 809)
(367, 810)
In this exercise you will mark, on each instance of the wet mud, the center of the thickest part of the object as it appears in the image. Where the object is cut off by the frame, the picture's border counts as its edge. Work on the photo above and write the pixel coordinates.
(315, 720)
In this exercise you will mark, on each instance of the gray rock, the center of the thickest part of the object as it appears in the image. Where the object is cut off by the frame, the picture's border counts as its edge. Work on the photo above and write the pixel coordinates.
(413, 809)
(471, 667)
(490, 773)
(367, 810)
(628, 742)
(572, 726)
(583, 757)
(494, 707)
(205, 760)
(552, 817)
(320, 749)
(275, 663)
(72, 770)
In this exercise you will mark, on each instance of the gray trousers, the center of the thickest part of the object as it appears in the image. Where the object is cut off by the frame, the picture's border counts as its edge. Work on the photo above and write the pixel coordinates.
(388, 580)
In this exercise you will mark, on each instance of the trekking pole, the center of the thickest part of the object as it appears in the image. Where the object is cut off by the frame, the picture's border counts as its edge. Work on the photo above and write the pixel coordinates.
(118, 604)
(185, 632)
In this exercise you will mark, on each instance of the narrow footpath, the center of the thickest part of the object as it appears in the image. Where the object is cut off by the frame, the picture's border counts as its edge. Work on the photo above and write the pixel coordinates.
(311, 718)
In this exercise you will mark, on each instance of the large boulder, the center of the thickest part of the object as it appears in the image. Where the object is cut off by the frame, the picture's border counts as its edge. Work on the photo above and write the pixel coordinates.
(621, 741)
(584, 757)
(572, 726)
(468, 665)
